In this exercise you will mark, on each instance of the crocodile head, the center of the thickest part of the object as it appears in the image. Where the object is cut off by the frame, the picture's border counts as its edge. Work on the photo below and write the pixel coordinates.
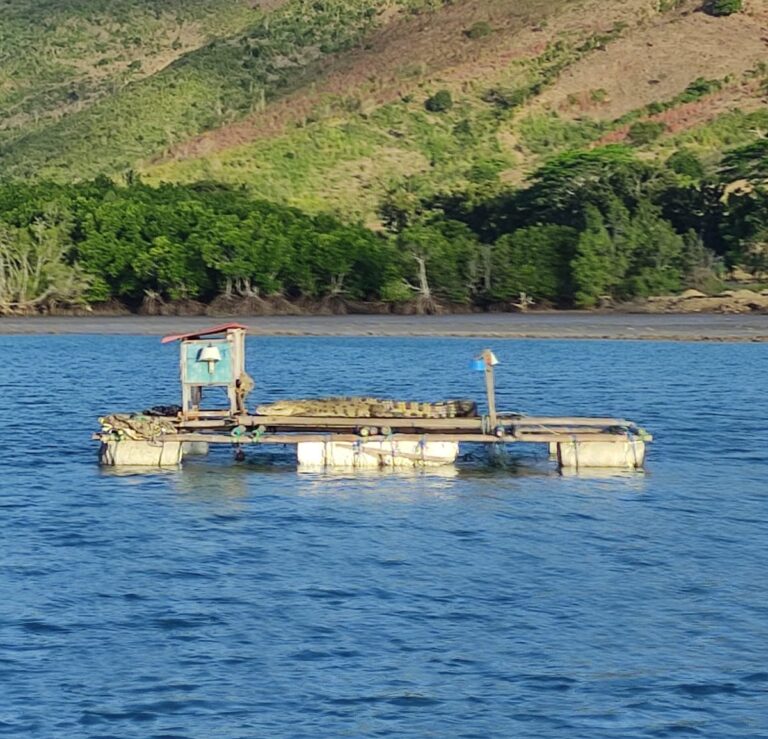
(465, 408)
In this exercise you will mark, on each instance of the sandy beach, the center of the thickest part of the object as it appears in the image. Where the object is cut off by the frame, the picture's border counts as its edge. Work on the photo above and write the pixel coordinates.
(552, 325)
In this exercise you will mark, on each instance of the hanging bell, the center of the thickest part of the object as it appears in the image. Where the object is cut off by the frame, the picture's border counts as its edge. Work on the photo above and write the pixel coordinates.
(210, 354)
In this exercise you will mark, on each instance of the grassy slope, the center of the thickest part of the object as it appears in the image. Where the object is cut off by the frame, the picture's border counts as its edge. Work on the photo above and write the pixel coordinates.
(58, 57)
(363, 126)
(322, 149)
(227, 78)
(650, 74)
(321, 104)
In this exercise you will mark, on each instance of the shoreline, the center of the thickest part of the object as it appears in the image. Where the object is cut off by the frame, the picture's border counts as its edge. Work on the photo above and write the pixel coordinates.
(583, 325)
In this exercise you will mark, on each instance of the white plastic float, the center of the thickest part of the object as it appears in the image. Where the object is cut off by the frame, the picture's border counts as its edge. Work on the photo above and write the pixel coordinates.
(371, 454)
(130, 453)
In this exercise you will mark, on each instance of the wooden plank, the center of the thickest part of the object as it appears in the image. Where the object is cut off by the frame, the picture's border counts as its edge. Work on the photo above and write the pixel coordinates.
(556, 430)
(194, 416)
(530, 429)
(462, 423)
(490, 388)
(353, 438)
(220, 329)
(210, 423)
(318, 422)
(582, 437)
(337, 437)
(568, 421)
(558, 424)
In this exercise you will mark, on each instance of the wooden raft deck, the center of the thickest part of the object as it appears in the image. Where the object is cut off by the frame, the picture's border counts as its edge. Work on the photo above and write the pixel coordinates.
(253, 429)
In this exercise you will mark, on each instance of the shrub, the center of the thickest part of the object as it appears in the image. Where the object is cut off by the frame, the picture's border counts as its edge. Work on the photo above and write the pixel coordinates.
(481, 29)
(463, 129)
(686, 163)
(439, 102)
(724, 7)
(699, 88)
(506, 99)
(547, 133)
(483, 171)
(644, 132)
(395, 291)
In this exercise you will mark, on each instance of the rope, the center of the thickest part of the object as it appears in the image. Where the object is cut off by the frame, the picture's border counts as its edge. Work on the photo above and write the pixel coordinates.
(326, 442)
(632, 443)
(575, 442)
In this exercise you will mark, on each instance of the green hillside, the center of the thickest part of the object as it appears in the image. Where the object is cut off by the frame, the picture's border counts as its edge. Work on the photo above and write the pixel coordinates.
(230, 76)
(321, 103)
(57, 58)
(347, 151)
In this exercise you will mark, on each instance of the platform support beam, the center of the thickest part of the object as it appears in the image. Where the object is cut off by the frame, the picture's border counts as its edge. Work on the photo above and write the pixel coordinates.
(490, 386)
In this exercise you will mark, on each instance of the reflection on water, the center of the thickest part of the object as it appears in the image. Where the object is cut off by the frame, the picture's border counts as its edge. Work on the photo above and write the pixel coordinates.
(137, 471)
(377, 475)
(602, 473)
(217, 479)
(202, 482)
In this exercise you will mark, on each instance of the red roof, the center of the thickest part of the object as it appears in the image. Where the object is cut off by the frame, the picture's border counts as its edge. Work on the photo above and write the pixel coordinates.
(223, 328)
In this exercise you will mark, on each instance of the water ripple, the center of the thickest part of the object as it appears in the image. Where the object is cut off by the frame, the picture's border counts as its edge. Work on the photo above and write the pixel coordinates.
(252, 600)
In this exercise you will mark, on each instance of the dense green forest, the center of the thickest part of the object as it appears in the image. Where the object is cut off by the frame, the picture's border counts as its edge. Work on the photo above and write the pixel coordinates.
(590, 226)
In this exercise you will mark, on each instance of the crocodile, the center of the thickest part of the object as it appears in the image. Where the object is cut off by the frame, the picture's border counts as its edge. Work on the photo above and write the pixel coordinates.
(344, 407)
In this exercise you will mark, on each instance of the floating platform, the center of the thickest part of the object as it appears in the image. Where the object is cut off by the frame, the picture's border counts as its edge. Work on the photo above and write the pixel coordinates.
(408, 439)
(359, 442)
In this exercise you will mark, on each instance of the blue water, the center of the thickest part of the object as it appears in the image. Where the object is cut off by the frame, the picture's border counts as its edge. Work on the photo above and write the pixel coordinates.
(251, 600)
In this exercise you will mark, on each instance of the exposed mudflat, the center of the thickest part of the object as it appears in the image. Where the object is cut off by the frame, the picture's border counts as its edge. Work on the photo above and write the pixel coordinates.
(549, 325)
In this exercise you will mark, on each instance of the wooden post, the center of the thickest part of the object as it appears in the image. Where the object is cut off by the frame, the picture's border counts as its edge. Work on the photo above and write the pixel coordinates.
(490, 386)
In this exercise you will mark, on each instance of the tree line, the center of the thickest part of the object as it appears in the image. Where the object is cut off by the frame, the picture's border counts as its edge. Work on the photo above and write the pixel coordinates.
(588, 227)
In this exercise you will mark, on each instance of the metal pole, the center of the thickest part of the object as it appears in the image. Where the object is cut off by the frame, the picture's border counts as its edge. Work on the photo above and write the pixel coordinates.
(490, 388)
